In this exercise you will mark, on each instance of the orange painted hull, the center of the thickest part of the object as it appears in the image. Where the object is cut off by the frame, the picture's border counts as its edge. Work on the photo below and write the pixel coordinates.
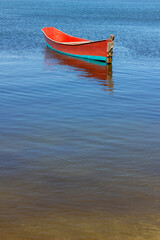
(73, 46)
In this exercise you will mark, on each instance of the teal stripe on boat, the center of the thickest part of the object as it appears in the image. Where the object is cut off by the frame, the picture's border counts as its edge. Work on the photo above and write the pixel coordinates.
(97, 58)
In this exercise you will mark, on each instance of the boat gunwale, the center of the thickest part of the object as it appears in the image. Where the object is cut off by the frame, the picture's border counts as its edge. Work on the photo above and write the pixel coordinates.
(73, 43)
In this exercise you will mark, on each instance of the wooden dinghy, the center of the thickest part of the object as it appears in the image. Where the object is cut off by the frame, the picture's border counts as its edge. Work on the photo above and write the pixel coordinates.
(78, 47)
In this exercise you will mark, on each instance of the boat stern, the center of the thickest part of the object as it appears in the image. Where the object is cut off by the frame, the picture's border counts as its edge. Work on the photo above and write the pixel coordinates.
(110, 45)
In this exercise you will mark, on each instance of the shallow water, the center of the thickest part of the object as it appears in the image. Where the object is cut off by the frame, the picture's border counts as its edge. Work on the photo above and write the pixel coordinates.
(79, 156)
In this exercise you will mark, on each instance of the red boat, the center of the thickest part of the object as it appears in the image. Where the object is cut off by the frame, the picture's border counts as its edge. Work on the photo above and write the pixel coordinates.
(78, 47)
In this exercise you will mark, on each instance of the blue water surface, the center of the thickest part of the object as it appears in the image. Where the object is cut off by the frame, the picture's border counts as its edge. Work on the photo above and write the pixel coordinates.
(79, 140)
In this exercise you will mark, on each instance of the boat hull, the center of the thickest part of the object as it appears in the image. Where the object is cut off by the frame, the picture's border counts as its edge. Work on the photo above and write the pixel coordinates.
(96, 58)
(81, 48)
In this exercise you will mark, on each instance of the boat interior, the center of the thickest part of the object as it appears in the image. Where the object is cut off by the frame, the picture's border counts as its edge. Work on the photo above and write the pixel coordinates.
(59, 36)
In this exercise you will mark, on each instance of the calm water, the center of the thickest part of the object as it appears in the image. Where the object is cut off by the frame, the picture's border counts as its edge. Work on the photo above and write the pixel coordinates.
(79, 141)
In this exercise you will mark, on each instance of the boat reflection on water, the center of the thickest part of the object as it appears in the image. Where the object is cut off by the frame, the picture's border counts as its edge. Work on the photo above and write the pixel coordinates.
(94, 70)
